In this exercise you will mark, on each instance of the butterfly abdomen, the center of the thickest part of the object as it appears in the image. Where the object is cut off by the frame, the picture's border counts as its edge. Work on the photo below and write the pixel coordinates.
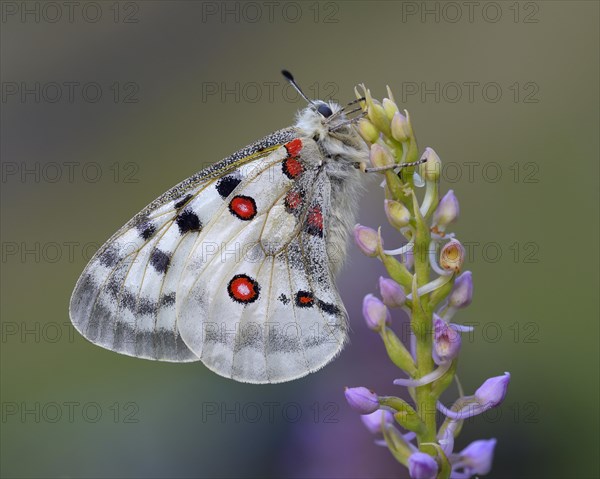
(346, 188)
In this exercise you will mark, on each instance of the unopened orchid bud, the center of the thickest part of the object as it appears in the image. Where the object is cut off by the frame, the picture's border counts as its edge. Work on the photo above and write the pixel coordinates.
(367, 240)
(400, 127)
(381, 156)
(390, 108)
(368, 131)
(375, 313)
(447, 211)
(431, 170)
(462, 293)
(362, 400)
(397, 214)
(377, 114)
(477, 457)
(452, 256)
(446, 340)
(377, 420)
(392, 293)
(492, 392)
(422, 466)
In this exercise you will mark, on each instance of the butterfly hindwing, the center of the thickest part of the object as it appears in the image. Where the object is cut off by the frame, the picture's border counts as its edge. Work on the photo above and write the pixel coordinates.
(230, 267)
(267, 310)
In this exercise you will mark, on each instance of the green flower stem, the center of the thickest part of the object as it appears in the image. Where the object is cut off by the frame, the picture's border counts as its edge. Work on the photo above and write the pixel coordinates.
(397, 189)
(421, 322)
(421, 248)
(425, 401)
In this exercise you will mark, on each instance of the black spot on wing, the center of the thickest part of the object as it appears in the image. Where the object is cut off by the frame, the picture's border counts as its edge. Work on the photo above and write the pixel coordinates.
(188, 221)
(109, 257)
(183, 201)
(283, 298)
(113, 286)
(328, 308)
(168, 299)
(226, 185)
(160, 260)
(145, 306)
(146, 230)
(128, 300)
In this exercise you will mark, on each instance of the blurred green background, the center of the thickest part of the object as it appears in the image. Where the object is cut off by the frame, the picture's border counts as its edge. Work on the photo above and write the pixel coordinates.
(505, 92)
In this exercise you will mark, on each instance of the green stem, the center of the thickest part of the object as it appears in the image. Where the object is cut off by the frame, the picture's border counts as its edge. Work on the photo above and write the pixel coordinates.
(423, 322)
(422, 312)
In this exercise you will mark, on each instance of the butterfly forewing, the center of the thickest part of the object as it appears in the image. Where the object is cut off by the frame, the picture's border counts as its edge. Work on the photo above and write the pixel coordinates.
(229, 267)
(122, 301)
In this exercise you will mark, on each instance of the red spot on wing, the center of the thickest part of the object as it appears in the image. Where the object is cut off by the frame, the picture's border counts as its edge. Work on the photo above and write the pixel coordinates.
(304, 299)
(293, 147)
(244, 207)
(314, 221)
(315, 218)
(293, 200)
(243, 289)
(292, 167)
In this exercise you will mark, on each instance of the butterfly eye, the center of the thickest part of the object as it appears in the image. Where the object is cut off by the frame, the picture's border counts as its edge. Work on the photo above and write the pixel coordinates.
(324, 110)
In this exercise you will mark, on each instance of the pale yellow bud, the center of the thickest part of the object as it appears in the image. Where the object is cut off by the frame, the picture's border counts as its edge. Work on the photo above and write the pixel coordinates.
(397, 214)
(431, 170)
(390, 108)
(400, 127)
(381, 156)
(379, 117)
(367, 131)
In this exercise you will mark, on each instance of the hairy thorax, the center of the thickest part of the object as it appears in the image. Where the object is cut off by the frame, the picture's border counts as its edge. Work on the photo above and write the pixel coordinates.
(340, 150)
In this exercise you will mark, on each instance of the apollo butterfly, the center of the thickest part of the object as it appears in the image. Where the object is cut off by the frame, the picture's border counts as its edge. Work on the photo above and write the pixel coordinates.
(235, 265)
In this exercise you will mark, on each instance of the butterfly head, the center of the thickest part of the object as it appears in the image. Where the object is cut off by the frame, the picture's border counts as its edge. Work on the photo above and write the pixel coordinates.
(319, 118)
(328, 124)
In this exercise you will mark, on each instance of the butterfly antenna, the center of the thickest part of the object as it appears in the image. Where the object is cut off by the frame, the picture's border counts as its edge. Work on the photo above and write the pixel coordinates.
(358, 100)
(389, 167)
(290, 78)
(350, 121)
